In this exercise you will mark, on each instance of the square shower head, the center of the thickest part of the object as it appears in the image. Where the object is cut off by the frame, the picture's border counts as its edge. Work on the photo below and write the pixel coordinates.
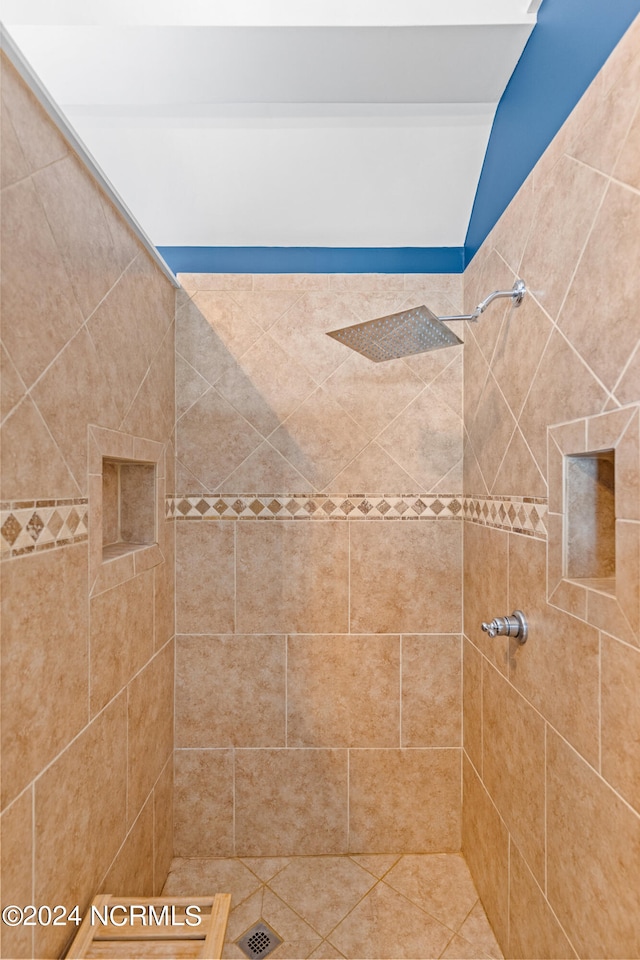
(397, 335)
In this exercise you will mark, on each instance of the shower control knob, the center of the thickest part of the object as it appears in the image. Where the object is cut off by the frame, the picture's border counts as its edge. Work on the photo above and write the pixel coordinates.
(513, 626)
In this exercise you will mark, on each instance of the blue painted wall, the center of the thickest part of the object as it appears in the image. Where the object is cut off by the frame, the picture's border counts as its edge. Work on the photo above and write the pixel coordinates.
(568, 46)
(314, 259)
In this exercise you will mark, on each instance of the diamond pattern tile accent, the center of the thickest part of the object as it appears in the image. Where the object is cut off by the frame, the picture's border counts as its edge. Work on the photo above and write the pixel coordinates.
(55, 524)
(35, 526)
(11, 529)
(309, 507)
(41, 524)
(525, 515)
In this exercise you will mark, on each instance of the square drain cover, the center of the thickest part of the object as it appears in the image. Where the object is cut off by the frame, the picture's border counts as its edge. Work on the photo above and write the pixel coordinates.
(259, 941)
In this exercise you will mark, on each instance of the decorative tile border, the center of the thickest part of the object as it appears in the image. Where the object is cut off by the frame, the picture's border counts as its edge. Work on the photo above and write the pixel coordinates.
(29, 525)
(526, 515)
(315, 507)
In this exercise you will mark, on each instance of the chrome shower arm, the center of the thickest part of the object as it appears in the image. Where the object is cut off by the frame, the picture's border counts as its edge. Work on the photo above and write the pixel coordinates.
(516, 293)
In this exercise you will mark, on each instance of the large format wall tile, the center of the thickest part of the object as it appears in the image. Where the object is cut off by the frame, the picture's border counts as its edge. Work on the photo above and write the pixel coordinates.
(418, 809)
(230, 691)
(426, 437)
(533, 929)
(36, 292)
(86, 790)
(485, 845)
(87, 340)
(486, 563)
(203, 803)
(612, 246)
(75, 210)
(125, 612)
(205, 577)
(290, 802)
(431, 691)
(214, 439)
(32, 462)
(343, 691)
(317, 402)
(40, 141)
(292, 577)
(472, 665)
(131, 873)
(335, 423)
(567, 205)
(319, 439)
(150, 727)
(513, 776)
(565, 653)
(620, 718)
(16, 844)
(593, 851)
(405, 577)
(162, 826)
(45, 672)
(570, 352)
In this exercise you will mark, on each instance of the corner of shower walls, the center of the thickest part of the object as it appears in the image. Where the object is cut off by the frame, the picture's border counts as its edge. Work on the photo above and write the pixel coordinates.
(87, 677)
(318, 563)
(552, 766)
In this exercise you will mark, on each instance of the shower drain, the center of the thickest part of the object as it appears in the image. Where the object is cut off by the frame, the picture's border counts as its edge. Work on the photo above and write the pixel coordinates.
(258, 941)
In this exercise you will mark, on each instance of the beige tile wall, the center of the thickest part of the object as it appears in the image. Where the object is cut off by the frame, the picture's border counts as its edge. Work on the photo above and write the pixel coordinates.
(551, 805)
(87, 682)
(318, 661)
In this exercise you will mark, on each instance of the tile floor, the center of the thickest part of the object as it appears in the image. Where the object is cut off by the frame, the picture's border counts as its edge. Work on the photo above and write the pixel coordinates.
(367, 907)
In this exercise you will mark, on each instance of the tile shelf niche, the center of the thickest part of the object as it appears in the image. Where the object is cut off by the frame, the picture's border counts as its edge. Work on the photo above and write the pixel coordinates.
(590, 520)
(128, 506)
(593, 555)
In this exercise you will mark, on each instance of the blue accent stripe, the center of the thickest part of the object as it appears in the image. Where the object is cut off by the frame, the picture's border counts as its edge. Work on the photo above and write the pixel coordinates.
(314, 259)
(569, 44)
(566, 49)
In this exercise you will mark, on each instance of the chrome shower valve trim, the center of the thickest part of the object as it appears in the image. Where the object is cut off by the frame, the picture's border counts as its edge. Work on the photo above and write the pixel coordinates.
(514, 626)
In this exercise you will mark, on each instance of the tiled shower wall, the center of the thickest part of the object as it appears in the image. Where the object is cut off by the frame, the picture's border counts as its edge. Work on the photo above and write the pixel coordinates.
(87, 667)
(551, 750)
(319, 535)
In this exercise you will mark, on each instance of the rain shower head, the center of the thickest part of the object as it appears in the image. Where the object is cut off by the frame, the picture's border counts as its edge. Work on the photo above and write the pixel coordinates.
(412, 331)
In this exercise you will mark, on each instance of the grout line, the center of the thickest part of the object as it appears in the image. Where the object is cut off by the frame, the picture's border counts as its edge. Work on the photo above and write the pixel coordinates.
(235, 579)
(509, 842)
(286, 690)
(546, 835)
(233, 795)
(33, 858)
(600, 702)
(401, 654)
(348, 798)
(349, 618)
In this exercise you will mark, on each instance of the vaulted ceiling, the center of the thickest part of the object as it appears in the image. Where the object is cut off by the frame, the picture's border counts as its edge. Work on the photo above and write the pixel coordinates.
(350, 123)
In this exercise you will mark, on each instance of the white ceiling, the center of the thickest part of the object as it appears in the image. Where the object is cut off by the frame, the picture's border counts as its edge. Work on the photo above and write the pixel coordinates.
(282, 122)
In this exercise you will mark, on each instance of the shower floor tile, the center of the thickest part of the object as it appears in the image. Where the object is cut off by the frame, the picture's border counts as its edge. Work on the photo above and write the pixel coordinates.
(369, 907)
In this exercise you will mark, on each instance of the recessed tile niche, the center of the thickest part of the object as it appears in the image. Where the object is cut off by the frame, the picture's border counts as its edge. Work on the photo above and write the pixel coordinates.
(594, 520)
(126, 506)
